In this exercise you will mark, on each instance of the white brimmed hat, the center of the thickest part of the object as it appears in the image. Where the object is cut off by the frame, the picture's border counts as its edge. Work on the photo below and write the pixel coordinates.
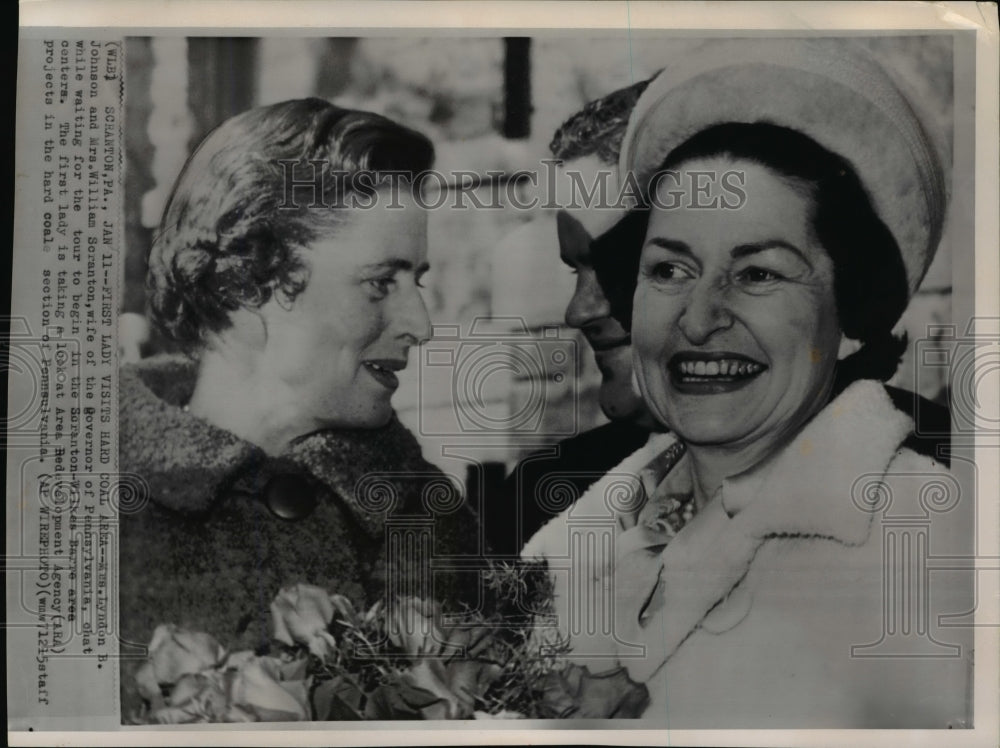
(828, 89)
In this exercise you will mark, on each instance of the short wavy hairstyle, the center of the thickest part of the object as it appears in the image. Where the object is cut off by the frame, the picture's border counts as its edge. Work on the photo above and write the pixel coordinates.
(232, 237)
(599, 128)
(870, 286)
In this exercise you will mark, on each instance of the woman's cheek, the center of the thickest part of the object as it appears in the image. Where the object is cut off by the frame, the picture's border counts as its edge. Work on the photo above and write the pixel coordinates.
(645, 310)
(651, 380)
(646, 360)
(779, 318)
(658, 323)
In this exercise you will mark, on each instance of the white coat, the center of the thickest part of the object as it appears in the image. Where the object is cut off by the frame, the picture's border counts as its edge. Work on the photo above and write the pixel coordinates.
(800, 596)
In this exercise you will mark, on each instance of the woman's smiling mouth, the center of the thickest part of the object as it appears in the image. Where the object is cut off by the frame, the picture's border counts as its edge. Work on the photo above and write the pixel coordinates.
(712, 373)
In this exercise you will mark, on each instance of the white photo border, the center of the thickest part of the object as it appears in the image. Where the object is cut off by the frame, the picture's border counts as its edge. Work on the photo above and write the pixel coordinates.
(304, 17)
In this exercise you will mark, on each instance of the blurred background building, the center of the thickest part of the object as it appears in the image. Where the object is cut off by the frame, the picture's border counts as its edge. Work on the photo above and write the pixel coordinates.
(489, 104)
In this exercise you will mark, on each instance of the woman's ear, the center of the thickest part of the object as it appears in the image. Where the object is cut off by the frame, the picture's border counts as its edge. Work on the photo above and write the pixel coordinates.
(848, 346)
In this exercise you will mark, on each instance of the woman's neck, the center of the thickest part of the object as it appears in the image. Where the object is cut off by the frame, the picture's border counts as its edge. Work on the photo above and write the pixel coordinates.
(230, 394)
(711, 465)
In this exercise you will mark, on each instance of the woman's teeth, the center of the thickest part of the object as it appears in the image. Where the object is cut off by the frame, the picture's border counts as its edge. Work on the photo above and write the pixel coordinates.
(723, 368)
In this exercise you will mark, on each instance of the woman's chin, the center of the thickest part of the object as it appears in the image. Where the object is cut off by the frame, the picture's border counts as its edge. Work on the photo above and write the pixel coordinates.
(711, 411)
(375, 417)
(711, 435)
(710, 425)
(378, 418)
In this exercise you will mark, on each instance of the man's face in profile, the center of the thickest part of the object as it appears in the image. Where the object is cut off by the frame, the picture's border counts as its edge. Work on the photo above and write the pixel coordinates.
(588, 309)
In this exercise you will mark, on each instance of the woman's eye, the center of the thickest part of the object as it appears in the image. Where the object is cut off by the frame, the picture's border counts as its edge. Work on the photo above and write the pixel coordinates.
(667, 271)
(759, 275)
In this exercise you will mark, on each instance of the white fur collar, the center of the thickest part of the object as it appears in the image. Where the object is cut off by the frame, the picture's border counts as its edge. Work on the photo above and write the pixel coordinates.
(805, 490)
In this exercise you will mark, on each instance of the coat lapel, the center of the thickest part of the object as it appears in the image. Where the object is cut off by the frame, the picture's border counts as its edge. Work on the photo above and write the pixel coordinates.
(805, 490)
(189, 464)
(618, 487)
(185, 462)
(812, 488)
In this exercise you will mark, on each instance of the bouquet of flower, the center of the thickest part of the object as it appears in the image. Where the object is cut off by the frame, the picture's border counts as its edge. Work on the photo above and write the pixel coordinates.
(404, 658)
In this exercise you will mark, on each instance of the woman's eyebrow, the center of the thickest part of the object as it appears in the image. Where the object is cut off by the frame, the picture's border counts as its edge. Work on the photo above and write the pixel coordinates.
(745, 250)
(671, 244)
(398, 264)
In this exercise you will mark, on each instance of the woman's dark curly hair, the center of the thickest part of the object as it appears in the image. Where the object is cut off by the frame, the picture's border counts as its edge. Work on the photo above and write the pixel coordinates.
(232, 237)
(870, 285)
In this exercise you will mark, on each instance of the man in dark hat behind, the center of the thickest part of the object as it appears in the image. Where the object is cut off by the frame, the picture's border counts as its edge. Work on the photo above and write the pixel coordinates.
(545, 483)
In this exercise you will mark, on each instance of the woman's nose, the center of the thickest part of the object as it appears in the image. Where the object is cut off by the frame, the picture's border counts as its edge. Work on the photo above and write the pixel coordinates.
(589, 304)
(705, 313)
(413, 320)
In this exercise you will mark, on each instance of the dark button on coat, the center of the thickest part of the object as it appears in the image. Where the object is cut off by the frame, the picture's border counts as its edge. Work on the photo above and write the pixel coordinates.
(219, 527)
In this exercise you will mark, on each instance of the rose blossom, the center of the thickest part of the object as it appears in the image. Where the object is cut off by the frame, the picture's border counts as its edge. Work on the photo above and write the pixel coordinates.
(258, 689)
(173, 653)
(413, 627)
(197, 697)
(302, 615)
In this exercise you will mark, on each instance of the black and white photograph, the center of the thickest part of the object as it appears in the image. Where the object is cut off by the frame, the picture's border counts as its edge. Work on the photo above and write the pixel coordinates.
(514, 378)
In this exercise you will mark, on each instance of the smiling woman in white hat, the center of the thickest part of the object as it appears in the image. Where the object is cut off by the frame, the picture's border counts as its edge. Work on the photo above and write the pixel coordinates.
(791, 204)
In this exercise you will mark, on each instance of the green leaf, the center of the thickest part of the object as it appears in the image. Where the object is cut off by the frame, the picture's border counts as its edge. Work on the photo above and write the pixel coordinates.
(295, 669)
(416, 697)
(556, 701)
(469, 680)
(337, 699)
(400, 701)
(607, 695)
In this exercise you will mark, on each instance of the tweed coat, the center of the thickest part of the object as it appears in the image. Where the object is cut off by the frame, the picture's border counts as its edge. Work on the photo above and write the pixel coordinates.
(217, 527)
(800, 595)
